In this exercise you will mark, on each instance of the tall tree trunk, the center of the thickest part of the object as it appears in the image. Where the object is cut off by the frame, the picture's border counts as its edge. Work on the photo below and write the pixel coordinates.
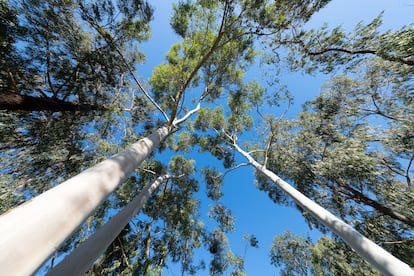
(82, 258)
(16, 102)
(31, 232)
(371, 252)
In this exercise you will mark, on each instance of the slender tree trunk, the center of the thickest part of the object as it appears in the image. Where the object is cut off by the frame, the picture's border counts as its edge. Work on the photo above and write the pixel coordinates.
(82, 258)
(33, 231)
(371, 252)
(147, 249)
(16, 102)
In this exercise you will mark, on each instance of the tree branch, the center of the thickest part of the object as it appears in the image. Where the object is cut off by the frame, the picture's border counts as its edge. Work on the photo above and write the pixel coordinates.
(407, 172)
(213, 47)
(360, 197)
(177, 122)
(110, 40)
(326, 50)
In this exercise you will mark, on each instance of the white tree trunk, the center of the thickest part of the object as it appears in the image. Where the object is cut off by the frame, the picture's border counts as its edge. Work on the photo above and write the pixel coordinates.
(386, 263)
(33, 231)
(82, 258)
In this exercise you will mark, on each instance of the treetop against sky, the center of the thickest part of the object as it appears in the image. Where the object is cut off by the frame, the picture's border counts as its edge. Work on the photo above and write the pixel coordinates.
(221, 81)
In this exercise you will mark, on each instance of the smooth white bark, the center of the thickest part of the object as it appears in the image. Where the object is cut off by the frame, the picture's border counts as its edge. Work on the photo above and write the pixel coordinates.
(386, 263)
(33, 231)
(82, 258)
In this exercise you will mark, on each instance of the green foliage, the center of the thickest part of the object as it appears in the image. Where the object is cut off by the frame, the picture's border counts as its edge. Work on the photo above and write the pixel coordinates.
(299, 256)
(81, 52)
(223, 216)
(327, 49)
(180, 20)
(55, 52)
(291, 253)
(253, 242)
(343, 149)
(214, 181)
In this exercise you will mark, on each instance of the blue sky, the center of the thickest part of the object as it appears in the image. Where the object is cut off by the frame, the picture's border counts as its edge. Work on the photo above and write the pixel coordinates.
(254, 212)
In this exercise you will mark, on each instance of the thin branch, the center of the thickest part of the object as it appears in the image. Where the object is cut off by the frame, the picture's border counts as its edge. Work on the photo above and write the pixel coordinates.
(236, 167)
(269, 144)
(123, 252)
(326, 50)
(253, 151)
(407, 171)
(11, 78)
(109, 39)
(148, 171)
(396, 242)
(213, 47)
(49, 81)
(394, 170)
(384, 56)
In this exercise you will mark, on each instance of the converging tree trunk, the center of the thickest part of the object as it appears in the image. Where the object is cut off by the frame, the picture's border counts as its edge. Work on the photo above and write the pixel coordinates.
(34, 230)
(79, 261)
(371, 252)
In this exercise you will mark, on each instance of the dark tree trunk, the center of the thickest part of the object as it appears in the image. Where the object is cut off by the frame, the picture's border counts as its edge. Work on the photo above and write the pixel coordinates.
(360, 197)
(17, 102)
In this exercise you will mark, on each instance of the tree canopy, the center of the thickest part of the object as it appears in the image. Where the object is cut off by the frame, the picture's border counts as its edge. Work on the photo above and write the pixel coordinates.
(70, 96)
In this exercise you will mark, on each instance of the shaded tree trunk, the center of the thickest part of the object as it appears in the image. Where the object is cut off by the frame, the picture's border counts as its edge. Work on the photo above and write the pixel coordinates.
(16, 102)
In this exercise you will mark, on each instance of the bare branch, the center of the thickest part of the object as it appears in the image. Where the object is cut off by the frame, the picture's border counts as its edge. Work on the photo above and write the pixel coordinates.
(186, 116)
(148, 171)
(396, 242)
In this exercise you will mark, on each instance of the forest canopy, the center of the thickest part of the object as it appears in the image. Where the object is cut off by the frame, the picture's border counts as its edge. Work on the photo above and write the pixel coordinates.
(72, 95)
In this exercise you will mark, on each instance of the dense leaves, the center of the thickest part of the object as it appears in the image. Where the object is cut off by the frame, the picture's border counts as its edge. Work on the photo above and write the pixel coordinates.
(299, 256)
(351, 149)
(63, 87)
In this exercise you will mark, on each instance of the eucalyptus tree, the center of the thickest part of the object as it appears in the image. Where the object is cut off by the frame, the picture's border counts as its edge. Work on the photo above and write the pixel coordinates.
(351, 148)
(216, 47)
(336, 155)
(345, 162)
(56, 64)
(60, 84)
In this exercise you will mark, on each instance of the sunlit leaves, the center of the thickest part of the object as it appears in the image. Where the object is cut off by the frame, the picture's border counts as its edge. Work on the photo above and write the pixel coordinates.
(181, 166)
(180, 20)
(209, 118)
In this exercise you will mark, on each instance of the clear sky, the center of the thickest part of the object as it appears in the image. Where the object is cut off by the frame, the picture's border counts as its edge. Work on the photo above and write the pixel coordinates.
(255, 213)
